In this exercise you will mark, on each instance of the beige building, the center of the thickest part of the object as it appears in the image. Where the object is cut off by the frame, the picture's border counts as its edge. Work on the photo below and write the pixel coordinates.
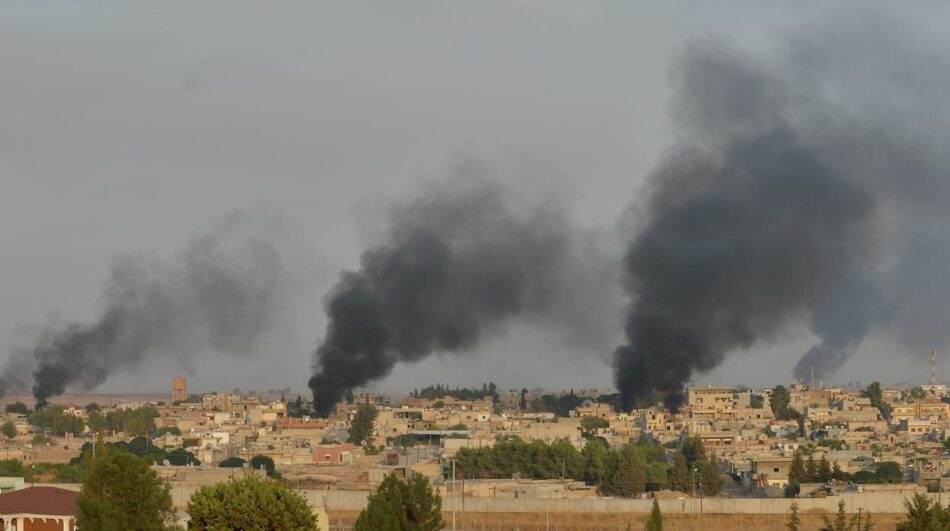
(179, 389)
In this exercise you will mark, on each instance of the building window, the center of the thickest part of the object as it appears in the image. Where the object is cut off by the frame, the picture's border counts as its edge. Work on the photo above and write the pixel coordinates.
(775, 470)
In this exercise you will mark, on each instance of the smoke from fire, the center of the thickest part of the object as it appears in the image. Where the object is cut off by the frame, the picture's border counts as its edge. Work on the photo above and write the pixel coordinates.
(224, 291)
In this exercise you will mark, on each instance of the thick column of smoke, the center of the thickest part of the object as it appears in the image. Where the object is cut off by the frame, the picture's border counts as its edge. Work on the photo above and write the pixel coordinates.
(744, 230)
(454, 264)
(225, 291)
(809, 186)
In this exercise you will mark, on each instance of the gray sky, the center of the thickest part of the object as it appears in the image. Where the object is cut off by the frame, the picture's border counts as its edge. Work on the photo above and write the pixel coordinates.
(130, 127)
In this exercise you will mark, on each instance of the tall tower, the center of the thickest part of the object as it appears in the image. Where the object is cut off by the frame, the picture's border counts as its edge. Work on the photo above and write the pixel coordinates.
(179, 389)
(933, 367)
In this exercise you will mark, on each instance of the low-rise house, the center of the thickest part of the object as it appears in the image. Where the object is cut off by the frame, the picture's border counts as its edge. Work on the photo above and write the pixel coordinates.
(39, 509)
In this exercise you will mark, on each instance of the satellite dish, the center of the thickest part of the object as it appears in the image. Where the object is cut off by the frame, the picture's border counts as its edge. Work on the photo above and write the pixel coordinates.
(166, 462)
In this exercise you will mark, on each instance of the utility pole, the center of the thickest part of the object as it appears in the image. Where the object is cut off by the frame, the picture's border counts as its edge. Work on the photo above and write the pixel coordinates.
(700, 501)
(454, 501)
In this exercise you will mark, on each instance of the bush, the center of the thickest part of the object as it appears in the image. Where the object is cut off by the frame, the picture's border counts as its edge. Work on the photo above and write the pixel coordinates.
(402, 506)
(232, 462)
(250, 503)
(18, 408)
(263, 462)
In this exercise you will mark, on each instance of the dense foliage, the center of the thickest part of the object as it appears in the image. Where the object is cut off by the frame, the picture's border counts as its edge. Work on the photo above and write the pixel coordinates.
(232, 462)
(120, 492)
(780, 402)
(262, 462)
(627, 471)
(18, 407)
(559, 405)
(805, 469)
(140, 447)
(431, 392)
(923, 514)
(250, 504)
(57, 421)
(876, 395)
(402, 506)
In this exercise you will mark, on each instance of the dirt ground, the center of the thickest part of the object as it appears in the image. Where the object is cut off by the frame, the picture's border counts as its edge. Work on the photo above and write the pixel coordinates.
(611, 522)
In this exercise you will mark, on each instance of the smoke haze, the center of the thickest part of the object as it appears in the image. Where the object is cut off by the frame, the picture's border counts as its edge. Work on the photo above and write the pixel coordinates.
(802, 189)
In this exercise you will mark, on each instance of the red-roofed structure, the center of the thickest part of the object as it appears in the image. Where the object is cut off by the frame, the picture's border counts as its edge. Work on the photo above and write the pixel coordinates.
(38, 509)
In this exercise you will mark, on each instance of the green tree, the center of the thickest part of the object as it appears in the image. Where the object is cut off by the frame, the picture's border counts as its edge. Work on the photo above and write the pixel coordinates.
(811, 469)
(595, 456)
(625, 475)
(889, 472)
(15, 468)
(793, 519)
(57, 421)
(259, 462)
(917, 393)
(8, 429)
(823, 470)
(779, 401)
(693, 450)
(589, 424)
(923, 514)
(361, 429)
(679, 479)
(18, 408)
(92, 406)
(655, 521)
(841, 521)
(711, 477)
(796, 472)
(96, 422)
(232, 462)
(119, 492)
(399, 506)
(182, 457)
(250, 504)
(876, 396)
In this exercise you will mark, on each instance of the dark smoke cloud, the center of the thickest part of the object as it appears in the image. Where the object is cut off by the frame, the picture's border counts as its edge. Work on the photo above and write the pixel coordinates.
(803, 188)
(455, 265)
(225, 291)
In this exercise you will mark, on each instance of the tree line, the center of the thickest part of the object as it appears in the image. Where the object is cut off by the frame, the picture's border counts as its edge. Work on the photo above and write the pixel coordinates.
(433, 392)
(135, 421)
(805, 469)
(625, 472)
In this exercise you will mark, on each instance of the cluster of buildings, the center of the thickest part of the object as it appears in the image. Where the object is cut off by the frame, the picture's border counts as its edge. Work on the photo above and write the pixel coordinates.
(737, 427)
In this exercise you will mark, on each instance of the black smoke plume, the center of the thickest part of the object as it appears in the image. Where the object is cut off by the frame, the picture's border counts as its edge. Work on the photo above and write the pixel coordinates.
(224, 291)
(454, 265)
(803, 188)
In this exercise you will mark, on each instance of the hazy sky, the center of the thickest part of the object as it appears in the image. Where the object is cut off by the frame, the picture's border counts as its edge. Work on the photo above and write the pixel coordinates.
(130, 127)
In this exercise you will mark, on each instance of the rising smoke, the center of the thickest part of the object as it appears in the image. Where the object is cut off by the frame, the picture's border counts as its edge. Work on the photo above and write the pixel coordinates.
(225, 291)
(455, 264)
(803, 188)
